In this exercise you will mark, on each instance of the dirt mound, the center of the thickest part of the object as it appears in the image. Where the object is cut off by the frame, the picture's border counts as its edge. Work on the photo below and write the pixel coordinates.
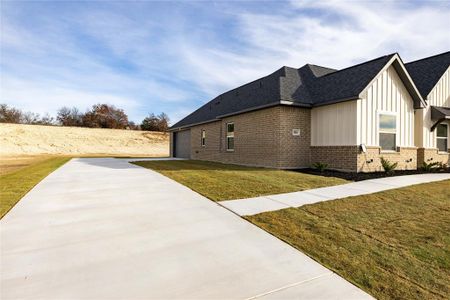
(18, 139)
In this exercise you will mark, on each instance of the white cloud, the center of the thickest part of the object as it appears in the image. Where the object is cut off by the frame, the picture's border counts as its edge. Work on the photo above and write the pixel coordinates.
(175, 64)
(35, 97)
(338, 34)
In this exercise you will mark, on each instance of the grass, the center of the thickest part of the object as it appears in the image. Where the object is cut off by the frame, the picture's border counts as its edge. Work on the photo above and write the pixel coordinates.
(22, 175)
(393, 244)
(219, 182)
(9, 164)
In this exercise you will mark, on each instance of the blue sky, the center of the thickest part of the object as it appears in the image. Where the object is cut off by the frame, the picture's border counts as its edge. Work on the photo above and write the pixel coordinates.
(172, 57)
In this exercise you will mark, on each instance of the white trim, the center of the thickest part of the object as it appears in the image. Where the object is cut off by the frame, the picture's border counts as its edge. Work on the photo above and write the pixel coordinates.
(227, 136)
(396, 57)
(390, 113)
(440, 78)
(442, 138)
(203, 138)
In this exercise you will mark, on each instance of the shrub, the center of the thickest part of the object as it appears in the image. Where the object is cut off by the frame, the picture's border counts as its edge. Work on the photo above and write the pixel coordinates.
(429, 166)
(320, 166)
(388, 166)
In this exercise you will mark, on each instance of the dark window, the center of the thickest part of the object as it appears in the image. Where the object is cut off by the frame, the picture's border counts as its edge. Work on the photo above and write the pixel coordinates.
(442, 137)
(387, 141)
(230, 136)
(203, 138)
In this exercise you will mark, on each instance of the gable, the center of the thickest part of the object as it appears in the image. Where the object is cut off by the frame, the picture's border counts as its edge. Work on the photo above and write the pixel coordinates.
(440, 94)
(404, 79)
(427, 72)
(387, 93)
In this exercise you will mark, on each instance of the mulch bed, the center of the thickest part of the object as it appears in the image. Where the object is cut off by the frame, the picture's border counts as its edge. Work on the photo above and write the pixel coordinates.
(364, 176)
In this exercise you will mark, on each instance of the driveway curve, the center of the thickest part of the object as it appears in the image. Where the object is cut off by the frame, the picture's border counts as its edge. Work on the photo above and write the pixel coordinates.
(106, 229)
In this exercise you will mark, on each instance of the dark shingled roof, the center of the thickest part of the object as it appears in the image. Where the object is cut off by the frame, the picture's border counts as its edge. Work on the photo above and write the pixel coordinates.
(261, 92)
(426, 72)
(346, 83)
(307, 86)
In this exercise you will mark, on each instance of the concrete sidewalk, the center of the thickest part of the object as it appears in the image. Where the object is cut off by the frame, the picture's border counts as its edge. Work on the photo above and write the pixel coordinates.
(106, 229)
(252, 206)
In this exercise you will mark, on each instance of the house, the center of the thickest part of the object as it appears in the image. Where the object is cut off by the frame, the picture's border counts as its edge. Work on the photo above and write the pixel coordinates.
(347, 118)
(432, 123)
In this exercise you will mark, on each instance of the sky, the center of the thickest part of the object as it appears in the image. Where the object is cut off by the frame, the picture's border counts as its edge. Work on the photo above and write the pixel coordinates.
(168, 56)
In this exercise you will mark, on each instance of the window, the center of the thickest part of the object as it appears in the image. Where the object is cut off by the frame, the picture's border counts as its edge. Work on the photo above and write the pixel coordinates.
(442, 137)
(203, 138)
(230, 136)
(388, 132)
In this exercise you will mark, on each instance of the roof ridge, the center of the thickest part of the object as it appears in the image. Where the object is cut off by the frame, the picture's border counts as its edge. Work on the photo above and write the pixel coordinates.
(363, 63)
(321, 67)
(250, 82)
(417, 60)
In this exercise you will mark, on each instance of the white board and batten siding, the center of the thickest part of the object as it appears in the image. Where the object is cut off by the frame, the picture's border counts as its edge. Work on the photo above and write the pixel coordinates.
(387, 94)
(334, 125)
(356, 122)
(439, 96)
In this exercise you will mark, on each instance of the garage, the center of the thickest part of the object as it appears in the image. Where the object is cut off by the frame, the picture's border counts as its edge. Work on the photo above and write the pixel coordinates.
(182, 144)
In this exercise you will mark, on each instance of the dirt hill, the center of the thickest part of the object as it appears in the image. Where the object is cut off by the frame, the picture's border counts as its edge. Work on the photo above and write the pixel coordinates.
(18, 139)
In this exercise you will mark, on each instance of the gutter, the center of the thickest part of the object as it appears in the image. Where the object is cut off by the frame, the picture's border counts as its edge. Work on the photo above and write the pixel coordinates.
(337, 101)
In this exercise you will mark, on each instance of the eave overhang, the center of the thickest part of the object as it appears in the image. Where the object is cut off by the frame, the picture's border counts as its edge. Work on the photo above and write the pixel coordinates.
(439, 114)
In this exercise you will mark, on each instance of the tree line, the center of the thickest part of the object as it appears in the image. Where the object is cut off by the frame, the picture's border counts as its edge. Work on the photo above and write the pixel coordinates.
(98, 116)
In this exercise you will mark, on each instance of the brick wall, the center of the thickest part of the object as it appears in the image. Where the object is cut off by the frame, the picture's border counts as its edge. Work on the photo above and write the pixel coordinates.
(406, 157)
(430, 155)
(264, 138)
(336, 157)
(261, 138)
(294, 150)
(350, 158)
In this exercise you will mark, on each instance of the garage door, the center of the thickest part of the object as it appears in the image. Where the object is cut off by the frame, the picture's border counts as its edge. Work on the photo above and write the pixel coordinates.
(182, 144)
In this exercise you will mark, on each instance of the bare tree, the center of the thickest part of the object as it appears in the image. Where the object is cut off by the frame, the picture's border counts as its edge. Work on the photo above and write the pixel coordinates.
(9, 114)
(155, 123)
(105, 116)
(30, 118)
(69, 116)
(163, 122)
(46, 120)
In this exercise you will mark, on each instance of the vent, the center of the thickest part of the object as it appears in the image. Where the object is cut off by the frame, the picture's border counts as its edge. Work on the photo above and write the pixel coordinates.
(296, 132)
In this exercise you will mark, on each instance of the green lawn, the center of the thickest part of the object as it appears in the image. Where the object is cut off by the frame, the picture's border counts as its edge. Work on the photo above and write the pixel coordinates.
(393, 244)
(219, 182)
(15, 184)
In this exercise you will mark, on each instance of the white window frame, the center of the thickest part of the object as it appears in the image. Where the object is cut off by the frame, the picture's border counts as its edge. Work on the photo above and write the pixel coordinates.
(441, 137)
(390, 113)
(203, 138)
(229, 135)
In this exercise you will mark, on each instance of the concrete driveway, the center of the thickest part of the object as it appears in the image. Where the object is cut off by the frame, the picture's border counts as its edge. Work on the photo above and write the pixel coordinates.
(106, 229)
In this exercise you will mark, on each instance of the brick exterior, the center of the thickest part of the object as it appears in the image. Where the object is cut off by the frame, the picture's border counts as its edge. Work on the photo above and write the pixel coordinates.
(430, 155)
(406, 157)
(264, 138)
(336, 157)
(261, 138)
(350, 158)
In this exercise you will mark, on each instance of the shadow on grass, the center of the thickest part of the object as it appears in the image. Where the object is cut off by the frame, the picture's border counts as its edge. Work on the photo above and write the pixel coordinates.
(195, 165)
